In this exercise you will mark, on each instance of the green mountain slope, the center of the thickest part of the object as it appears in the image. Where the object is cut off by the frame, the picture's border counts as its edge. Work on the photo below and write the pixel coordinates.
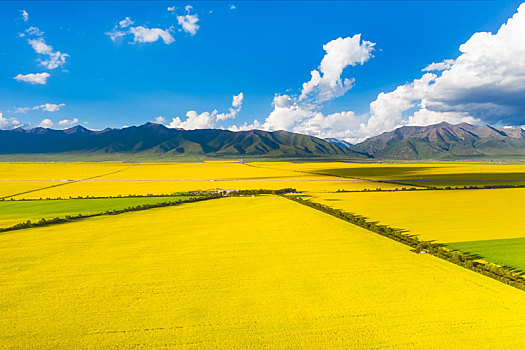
(155, 140)
(444, 141)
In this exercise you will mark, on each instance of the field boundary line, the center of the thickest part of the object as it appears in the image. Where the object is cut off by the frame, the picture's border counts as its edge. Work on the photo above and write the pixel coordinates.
(67, 182)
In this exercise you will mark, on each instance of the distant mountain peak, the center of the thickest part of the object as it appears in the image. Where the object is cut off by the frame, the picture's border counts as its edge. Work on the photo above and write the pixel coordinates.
(444, 140)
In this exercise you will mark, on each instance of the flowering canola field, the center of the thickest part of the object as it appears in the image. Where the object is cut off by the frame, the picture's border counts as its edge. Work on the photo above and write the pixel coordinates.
(221, 274)
(53, 180)
(435, 174)
(443, 216)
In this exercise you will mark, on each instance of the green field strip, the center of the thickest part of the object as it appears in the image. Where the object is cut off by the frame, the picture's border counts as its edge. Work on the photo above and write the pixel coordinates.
(13, 212)
(508, 252)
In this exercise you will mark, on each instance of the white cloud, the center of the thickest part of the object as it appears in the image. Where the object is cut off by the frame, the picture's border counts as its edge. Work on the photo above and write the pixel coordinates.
(126, 22)
(326, 83)
(237, 100)
(233, 7)
(115, 34)
(33, 78)
(8, 123)
(160, 120)
(439, 66)
(343, 125)
(207, 120)
(53, 59)
(286, 113)
(171, 9)
(141, 34)
(24, 15)
(245, 127)
(149, 35)
(50, 107)
(46, 123)
(31, 31)
(425, 117)
(47, 107)
(67, 122)
(194, 120)
(188, 22)
(302, 113)
(486, 83)
(21, 109)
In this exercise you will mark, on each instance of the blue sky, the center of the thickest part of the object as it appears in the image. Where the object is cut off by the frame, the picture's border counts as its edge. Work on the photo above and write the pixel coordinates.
(259, 49)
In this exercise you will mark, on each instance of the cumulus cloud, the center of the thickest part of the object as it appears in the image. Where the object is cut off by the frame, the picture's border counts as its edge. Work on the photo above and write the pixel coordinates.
(160, 120)
(24, 15)
(245, 127)
(33, 78)
(171, 9)
(287, 112)
(446, 64)
(326, 83)
(233, 7)
(188, 22)
(126, 22)
(486, 83)
(8, 123)
(67, 122)
(302, 113)
(208, 120)
(149, 35)
(141, 34)
(424, 117)
(342, 125)
(46, 123)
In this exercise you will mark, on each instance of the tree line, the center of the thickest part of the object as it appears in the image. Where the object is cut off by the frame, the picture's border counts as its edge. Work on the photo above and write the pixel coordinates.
(433, 188)
(282, 191)
(503, 274)
(149, 195)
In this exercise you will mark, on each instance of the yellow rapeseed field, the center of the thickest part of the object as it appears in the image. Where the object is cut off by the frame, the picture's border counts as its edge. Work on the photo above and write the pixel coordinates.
(112, 179)
(252, 272)
(437, 174)
(444, 216)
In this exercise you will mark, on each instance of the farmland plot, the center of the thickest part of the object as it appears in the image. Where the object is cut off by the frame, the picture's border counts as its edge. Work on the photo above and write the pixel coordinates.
(238, 279)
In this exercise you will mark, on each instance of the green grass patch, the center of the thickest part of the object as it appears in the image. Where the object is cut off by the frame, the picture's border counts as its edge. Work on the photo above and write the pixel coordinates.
(13, 212)
(506, 252)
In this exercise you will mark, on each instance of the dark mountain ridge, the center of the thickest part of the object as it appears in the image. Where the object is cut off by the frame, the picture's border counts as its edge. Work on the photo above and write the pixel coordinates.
(156, 139)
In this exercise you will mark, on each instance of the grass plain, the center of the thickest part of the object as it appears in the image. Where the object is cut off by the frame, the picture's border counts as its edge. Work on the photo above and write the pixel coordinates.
(167, 278)
(505, 252)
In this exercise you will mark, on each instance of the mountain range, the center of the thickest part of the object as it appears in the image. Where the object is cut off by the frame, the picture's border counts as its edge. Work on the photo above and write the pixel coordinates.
(445, 141)
(156, 140)
(439, 141)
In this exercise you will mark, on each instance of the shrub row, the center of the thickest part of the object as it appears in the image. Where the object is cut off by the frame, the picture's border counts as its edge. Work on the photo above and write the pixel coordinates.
(69, 218)
(433, 188)
(501, 273)
(150, 195)
(262, 191)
